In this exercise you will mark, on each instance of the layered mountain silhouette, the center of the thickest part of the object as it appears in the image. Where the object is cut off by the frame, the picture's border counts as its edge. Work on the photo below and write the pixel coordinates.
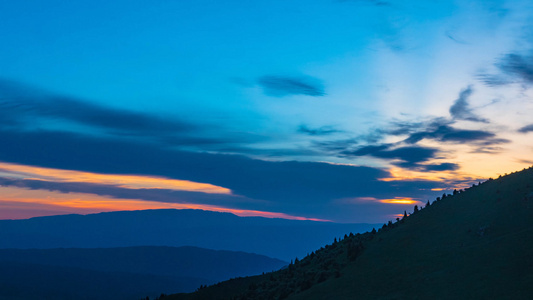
(278, 238)
(472, 244)
(120, 273)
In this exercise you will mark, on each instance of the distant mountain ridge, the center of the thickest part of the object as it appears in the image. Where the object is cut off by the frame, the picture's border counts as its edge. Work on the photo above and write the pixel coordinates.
(278, 238)
(120, 273)
(211, 265)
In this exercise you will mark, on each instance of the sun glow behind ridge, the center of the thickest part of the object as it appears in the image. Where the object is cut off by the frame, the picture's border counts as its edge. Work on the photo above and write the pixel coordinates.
(20, 203)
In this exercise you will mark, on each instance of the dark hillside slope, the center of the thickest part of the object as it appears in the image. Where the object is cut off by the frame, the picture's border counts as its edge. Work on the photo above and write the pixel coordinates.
(476, 244)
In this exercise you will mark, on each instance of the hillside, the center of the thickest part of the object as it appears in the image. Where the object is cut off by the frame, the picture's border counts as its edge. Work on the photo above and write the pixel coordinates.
(123, 273)
(475, 244)
(278, 238)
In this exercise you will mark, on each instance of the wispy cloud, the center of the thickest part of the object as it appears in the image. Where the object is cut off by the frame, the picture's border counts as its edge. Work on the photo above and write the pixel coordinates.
(25, 108)
(280, 86)
(22, 105)
(461, 110)
(407, 157)
(324, 130)
(512, 68)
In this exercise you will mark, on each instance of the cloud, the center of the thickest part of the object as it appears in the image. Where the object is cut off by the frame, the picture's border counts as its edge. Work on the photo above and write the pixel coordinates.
(526, 129)
(461, 110)
(441, 167)
(277, 181)
(369, 150)
(147, 194)
(440, 131)
(512, 68)
(280, 86)
(24, 103)
(409, 157)
(324, 130)
(280, 186)
(24, 108)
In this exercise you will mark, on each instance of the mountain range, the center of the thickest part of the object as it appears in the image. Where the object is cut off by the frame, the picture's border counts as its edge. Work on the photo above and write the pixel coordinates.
(120, 273)
(278, 238)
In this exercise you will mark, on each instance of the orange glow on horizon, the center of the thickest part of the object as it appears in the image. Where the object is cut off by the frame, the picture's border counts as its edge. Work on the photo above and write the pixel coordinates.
(399, 200)
(23, 200)
(124, 181)
(405, 174)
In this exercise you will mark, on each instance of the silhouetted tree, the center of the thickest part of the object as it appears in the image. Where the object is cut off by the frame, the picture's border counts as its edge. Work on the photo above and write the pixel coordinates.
(428, 204)
(404, 214)
(373, 231)
(416, 208)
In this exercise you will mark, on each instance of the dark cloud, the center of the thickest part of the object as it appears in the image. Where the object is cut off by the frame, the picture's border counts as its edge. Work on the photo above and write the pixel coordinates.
(336, 145)
(25, 108)
(441, 167)
(445, 133)
(512, 68)
(279, 86)
(297, 188)
(369, 150)
(324, 130)
(464, 136)
(277, 181)
(412, 154)
(461, 110)
(526, 129)
(20, 103)
(409, 157)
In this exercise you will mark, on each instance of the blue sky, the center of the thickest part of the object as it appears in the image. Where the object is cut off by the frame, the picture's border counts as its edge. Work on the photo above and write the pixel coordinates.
(315, 109)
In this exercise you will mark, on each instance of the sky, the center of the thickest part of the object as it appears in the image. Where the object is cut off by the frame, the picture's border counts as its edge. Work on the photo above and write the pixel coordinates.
(337, 110)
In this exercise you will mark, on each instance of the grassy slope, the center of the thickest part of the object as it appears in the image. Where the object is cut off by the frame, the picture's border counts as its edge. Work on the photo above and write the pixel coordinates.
(474, 245)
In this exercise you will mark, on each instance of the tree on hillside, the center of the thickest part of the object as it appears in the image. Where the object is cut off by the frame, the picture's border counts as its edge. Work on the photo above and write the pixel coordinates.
(416, 209)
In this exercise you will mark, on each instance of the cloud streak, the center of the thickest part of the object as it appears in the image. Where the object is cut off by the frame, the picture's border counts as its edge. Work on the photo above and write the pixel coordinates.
(281, 86)
(324, 130)
(512, 68)
(22, 104)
